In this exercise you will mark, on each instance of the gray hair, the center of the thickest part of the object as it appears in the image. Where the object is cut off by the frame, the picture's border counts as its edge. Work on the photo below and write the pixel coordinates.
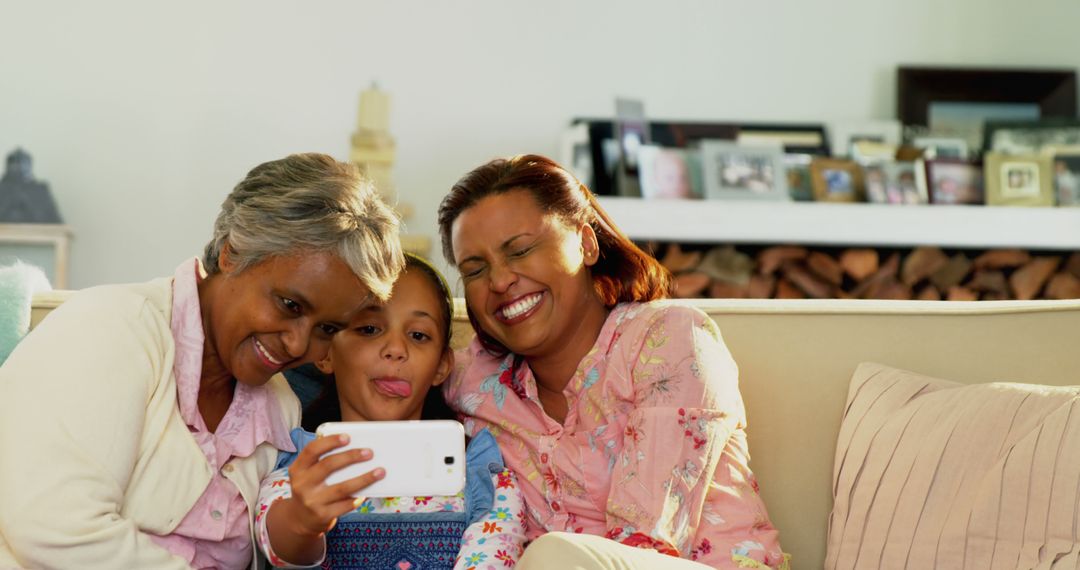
(309, 202)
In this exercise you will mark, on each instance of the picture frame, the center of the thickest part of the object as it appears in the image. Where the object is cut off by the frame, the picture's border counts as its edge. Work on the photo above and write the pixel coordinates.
(1030, 137)
(743, 172)
(843, 135)
(893, 182)
(669, 173)
(575, 153)
(951, 181)
(631, 132)
(837, 180)
(948, 148)
(870, 152)
(955, 101)
(1066, 164)
(796, 138)
(1018, 180)
(800, 184)
(907, 180)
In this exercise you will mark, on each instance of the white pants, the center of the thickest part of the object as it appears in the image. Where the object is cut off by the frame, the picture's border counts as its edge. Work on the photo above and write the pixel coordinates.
(568, 551)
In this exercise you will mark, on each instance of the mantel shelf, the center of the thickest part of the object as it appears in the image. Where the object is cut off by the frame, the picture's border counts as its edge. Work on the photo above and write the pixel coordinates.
(834, 224)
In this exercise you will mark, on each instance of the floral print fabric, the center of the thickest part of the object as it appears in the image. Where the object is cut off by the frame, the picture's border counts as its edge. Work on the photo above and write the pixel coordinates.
(653, 450)
(494, 540)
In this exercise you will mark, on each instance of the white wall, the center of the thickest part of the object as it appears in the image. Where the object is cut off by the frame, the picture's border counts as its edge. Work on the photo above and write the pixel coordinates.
(143, 115)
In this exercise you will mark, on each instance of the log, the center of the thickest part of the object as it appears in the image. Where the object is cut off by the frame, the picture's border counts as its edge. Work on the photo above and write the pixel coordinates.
(1063, 285)
(1027, 281)
(824, 266)
(958, 293)
(891, 289)
(770, 259)
(988, 281)
(724, 290)
(859, 263)
(785, 290)
(1072, 266)
(691, 285)
(813, 286)
(727, 264)
(677, 261)
(928, 293)
(1002, 258)
(952, 273)
(887, 270)
(921, 263)
(761, 286)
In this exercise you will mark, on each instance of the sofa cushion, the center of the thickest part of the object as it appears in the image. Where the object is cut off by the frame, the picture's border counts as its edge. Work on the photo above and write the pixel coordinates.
(936, 474)
(18, 283)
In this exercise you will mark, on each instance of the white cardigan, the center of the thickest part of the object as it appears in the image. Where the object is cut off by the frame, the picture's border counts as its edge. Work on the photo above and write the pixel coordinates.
(93, 452)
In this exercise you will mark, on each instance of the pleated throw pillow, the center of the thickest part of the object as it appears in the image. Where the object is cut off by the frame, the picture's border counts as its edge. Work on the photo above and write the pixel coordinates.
(935, 474)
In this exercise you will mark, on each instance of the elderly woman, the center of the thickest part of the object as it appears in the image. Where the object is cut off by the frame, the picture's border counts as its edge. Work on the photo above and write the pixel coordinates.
(137, 420)
(620, 413)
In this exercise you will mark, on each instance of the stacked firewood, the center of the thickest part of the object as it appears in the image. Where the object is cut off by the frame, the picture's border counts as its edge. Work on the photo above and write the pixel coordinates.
(928, 273)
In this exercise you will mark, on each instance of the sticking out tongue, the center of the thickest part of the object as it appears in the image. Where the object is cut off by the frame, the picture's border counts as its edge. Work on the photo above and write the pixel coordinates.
(393, 387)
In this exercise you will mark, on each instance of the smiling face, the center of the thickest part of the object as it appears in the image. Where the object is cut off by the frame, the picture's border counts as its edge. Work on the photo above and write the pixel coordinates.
(388, 358)
(525, 273)
(277, 314)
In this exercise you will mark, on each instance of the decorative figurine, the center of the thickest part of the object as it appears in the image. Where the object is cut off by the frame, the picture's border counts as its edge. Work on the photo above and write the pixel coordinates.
(24, 200)
(373, 150)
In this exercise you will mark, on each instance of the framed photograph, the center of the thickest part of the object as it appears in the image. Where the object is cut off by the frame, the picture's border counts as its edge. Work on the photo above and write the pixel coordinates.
(956, 102)
(836, 180)
(575, 154)
(902, 182)
(735, 171)
(1030, 137)
(604, 143)
(669, 172)
(795, 138)
(874, 183)
(1019, 180)
(800, 186)
(870, 152)
(845, 134)
(951, 181)
(1066, 173)
(942, 147)
(892, 183)
(632, 131)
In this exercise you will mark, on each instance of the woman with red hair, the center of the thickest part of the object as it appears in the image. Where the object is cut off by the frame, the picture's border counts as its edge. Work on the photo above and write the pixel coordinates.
(619, 412)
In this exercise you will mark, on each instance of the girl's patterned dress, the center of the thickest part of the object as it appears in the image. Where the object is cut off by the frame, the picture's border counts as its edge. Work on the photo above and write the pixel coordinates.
(481, 528)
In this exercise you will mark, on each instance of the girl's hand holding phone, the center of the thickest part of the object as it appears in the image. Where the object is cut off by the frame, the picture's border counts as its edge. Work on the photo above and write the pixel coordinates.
(319, 505)
(297, 524)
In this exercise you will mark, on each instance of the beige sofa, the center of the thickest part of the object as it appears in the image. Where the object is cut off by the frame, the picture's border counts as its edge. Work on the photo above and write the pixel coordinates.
(797, 357)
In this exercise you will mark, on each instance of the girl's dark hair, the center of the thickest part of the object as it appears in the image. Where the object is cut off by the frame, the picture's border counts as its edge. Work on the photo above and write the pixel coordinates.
(326, 407)
(623, 273)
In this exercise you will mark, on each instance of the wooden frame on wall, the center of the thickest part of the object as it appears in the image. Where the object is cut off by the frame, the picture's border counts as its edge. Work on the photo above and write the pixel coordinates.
(1054, 90)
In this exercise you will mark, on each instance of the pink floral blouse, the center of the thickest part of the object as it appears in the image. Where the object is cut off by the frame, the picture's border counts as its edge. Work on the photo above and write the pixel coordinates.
(653, 451)
(216, 533)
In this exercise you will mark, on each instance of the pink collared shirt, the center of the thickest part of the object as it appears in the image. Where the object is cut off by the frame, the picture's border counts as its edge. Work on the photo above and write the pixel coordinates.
(653, 449)
(216, 533)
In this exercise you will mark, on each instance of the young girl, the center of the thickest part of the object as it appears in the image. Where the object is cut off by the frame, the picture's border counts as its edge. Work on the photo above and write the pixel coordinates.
(384, 367)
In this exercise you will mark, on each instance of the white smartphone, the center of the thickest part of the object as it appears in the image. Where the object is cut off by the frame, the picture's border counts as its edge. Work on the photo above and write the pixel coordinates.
(421, 457)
